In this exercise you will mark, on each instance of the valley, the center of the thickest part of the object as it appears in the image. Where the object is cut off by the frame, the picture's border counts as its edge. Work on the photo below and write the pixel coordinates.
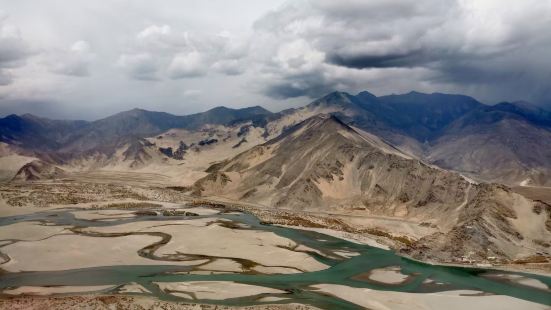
(275, 155)
(176, 253)
(307, 208)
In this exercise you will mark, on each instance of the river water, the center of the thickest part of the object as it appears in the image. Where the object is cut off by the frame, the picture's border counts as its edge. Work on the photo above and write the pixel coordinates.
(423, 278)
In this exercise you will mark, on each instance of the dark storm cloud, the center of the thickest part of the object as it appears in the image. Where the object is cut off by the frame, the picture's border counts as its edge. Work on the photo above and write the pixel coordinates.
(412, 59)
(184, 60)
(493, 49)
(308, 84)
(13, 50)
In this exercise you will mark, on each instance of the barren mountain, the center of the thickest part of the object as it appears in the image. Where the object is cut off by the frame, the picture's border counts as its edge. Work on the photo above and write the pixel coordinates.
(323, 164)
(30, 133)
(73, 138)
(496, 145)
(39, 170)
(505, 143)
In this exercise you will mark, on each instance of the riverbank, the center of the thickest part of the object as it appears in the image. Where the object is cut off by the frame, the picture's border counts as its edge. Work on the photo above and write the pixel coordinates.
(214, 253)
(384, 232)
(120, 302)
(378, 233)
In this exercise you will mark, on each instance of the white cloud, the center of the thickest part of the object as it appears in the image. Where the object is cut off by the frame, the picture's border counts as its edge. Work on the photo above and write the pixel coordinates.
(75, 61)
(457, 44)
(493, 50)
(139, 66)
(230, 66)
(186, 65)
(154, 31)
(192, 93)
(80, 47)
(14, 51)
(181, 54)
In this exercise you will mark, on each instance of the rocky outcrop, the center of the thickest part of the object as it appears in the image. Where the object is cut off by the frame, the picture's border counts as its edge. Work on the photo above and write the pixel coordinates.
(39, 170)
(323, 163)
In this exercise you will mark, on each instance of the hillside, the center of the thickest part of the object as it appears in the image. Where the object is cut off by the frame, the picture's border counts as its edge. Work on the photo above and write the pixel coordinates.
(506, 143)
(323, 164)
(498, 143)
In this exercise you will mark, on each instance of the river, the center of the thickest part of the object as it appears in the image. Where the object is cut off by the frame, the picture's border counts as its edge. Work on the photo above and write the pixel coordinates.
(422, 278)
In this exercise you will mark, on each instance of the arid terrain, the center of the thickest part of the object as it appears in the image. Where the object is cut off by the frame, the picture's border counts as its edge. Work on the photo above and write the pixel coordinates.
(152, 225)
(307, 208)
(275, 155)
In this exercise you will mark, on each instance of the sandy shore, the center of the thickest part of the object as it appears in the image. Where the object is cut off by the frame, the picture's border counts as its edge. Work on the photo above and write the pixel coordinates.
(132, 288)
(214, 290)
(265, 248)
(30, 231)
(449, 300)
(518, 279)
(233, 250)
(62, 249)
(118, 302)
(388, 275)
(41, 290)
(356, 238)
(63, 252)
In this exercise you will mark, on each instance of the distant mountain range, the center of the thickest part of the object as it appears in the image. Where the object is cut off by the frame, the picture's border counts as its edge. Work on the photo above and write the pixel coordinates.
(30, 132)
(507, 142)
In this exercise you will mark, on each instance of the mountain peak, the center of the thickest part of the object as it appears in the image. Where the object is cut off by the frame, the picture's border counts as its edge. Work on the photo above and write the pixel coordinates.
(366, 95)
(321, 123)
(329, 119)
(132, 112)
(334, 98)
(218, 109)
(337, 94)
(257, 110)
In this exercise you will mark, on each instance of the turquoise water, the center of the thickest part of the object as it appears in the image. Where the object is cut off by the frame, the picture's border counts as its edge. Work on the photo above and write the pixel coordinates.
(297, 286)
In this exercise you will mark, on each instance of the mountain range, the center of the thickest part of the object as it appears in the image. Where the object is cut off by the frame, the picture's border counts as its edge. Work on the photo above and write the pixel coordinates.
(507, 142)
(433, 159)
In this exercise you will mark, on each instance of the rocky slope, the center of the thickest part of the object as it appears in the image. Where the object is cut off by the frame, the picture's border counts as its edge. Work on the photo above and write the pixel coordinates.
(507, 142)
(38, 170)
(497, 145)
(70, 139)
(323, 164)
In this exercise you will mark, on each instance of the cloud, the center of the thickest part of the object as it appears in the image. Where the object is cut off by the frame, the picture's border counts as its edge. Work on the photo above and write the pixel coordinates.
(489, 47)
(182, 55)
(74, 61)
(278, 53)
(5, 78)
(161, 38)
(139, 66)
(192, 93)
(230, 66)
(155, 32)
(14, 51)
(187, 65)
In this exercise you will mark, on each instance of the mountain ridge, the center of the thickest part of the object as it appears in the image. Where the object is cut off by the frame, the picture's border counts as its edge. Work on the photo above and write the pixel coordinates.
(322, 164)
(434, 127)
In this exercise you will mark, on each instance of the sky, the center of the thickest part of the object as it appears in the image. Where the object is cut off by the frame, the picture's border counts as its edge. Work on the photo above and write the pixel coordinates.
(81, 59)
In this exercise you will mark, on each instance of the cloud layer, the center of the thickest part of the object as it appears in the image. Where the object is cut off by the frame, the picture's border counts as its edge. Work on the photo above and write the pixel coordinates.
(14, 51)
(279, 54)
(491, 48)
